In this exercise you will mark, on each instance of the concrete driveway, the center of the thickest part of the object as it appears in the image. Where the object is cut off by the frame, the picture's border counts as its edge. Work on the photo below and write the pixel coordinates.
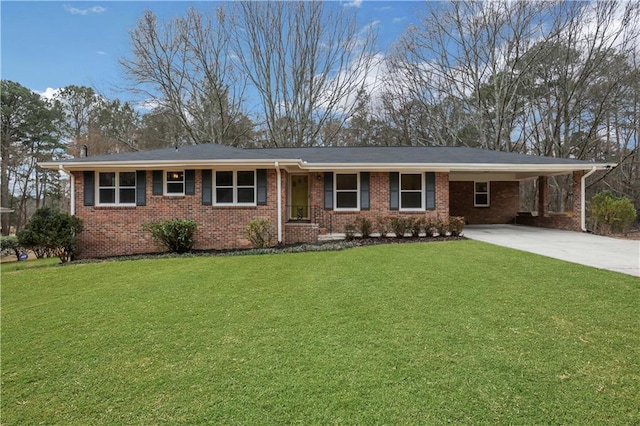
(577, 247)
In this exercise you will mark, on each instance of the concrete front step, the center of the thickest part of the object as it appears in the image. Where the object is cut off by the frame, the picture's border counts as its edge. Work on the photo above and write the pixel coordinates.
(330, 237)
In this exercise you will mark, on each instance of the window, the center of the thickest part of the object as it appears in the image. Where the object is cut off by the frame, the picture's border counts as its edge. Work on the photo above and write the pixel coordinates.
(481, 194)
(235, 188)
(174, 183)
(411, 191)
(117, 188)
(347, 190)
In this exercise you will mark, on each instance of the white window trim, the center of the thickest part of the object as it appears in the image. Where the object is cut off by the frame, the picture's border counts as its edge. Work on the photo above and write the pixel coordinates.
(476, 192)
(335, 192)
(423, 201)
(165, 182)
(235, 188)
(117, 189)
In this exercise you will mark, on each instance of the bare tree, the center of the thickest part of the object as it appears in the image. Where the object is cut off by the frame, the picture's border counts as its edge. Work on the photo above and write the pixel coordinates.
(462, 64)
(307, 61)
(185, 67)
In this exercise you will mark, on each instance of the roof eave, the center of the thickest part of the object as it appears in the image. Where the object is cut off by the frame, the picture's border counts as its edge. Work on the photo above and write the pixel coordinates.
(163, 164)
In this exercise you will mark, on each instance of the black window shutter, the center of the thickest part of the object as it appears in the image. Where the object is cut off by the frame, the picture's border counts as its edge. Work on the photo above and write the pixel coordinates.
(141, 188)
(262, 187)
(394, 191)
(364, 191)
(207, 188)
(89, 188)
(189, 182)
(328, 190)
(430, 191)
(157, 182)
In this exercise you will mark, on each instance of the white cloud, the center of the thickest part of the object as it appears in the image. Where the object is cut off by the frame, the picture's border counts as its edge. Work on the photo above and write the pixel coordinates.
(49, 93)
(399, 20)
(77, 11)
(102, 52)
(148, 105)
(353, 3)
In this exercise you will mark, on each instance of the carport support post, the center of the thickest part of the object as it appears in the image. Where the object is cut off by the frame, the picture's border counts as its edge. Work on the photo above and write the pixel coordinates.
(579, 204)
(542, 196)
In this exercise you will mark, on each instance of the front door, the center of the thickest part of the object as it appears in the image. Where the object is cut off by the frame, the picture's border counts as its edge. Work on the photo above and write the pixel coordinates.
(299, 197)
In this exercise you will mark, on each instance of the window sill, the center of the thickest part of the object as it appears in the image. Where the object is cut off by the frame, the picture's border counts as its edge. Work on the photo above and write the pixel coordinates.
(115, 207)
(235, 206)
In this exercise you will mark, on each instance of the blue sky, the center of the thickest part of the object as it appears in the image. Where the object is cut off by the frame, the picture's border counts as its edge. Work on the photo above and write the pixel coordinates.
(55, 44)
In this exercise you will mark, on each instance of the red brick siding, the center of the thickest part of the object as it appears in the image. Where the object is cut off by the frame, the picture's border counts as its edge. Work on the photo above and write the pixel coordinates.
(301, 233)
(112, 231)
(379, 202)
(504, 202)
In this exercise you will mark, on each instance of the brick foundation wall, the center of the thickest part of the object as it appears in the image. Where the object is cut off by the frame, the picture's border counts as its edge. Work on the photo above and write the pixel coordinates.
(555, 222)
(336, 221)
(301, 233)
(115, 231)
(504, 202)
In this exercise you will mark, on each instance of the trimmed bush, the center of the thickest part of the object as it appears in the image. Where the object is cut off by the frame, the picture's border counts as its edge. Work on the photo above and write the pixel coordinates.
(416, 226)
(364, 226)
(610, 213)
(259, 232)
(456, 225)
(399, 226)
(383, 225)
(52, 231)
(441, 227)
(349, 232)
(176, 235)
(429, 228)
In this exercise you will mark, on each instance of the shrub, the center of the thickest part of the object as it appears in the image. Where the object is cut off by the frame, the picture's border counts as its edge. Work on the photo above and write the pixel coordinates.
(398, 226)
(429, 228)
(416, 226)
(176, 235)
(456, 225)
(441, 227)
(52, 231)
(364, 226)
(259, 232)
(610, 213)
(11, 247)
(349, 232)
(382, 225)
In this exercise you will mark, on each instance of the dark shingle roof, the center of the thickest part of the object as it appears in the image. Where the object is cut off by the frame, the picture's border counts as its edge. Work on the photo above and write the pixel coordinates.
(409, 155)
(334, 155)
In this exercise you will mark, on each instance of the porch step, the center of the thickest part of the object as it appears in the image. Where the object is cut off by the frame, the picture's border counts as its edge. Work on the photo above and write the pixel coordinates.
(330, 237)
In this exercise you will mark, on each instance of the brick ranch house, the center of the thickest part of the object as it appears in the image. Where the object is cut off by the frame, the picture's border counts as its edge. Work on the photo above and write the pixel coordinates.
(304, 192)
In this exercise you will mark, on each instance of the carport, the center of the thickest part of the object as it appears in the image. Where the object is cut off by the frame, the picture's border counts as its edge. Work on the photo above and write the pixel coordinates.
(613, 254)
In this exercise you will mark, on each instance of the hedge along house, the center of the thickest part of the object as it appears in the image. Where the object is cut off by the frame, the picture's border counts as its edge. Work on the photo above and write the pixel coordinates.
(304, 192)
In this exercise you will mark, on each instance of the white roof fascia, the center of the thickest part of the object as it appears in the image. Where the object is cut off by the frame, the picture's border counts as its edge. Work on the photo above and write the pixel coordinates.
(164, 164)
(317, 167)
(456, 167)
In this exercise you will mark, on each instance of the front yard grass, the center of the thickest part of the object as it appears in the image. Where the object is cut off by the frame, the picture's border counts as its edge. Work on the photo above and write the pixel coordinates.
(450, 332)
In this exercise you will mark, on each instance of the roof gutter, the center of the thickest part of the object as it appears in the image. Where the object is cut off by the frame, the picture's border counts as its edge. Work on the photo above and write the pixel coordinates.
(583, 202)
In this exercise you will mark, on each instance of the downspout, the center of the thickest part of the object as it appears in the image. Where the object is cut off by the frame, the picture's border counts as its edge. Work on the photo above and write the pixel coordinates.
(279, 203)
(72, 182)
(583, 202)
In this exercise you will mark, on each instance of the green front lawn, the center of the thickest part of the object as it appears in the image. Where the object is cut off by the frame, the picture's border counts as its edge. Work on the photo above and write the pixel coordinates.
(460, 332)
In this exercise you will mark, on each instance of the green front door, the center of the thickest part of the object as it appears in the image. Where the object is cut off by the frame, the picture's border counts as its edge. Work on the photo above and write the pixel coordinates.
(299, 204)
